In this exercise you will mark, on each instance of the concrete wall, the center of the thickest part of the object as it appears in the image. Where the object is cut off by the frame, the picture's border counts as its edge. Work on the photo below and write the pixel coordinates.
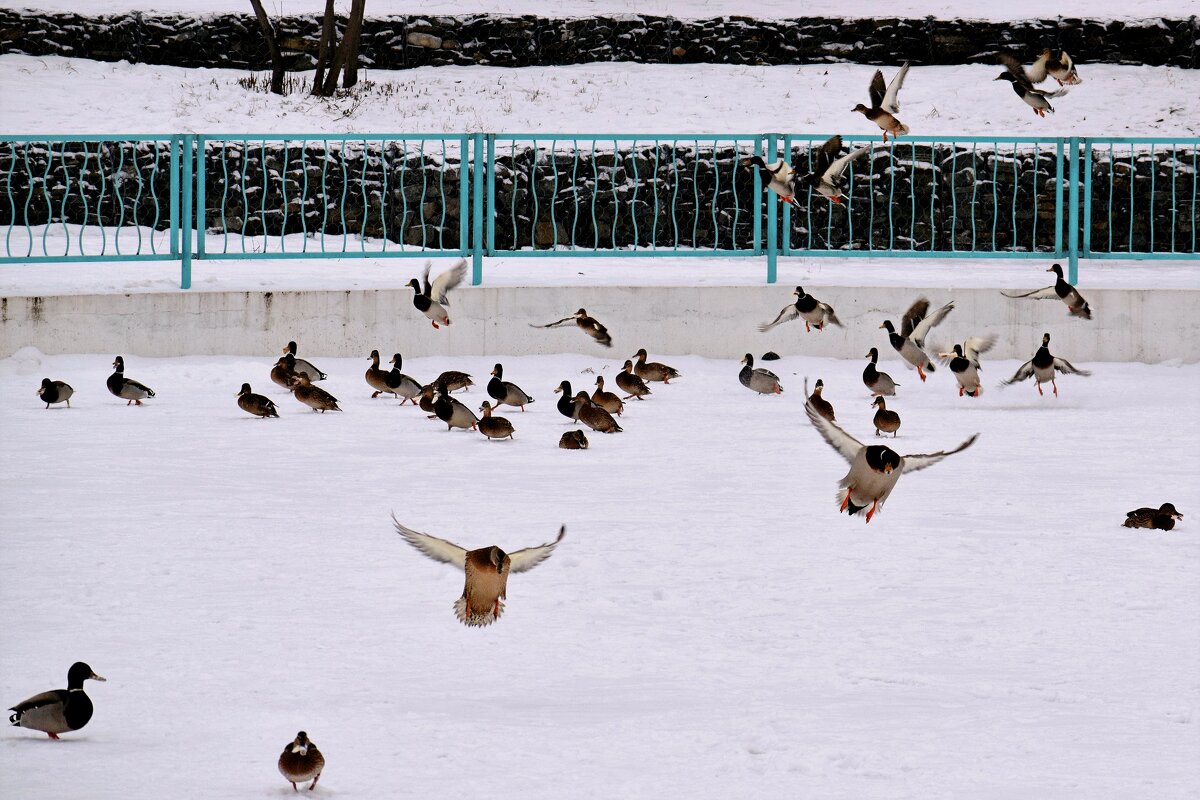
(1129, 325)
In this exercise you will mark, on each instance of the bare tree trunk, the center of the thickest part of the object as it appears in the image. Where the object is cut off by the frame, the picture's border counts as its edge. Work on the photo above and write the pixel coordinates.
(350, 42)
(277, 69)
(328, 36)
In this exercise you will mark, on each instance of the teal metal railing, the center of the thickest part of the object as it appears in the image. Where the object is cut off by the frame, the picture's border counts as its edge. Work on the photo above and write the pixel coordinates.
(70, 198)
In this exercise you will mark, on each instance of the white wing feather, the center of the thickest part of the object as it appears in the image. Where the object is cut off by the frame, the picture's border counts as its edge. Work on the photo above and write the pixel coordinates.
(922, 328)
(432, 546)
(787, 315)
(838, 439)
(1046, 293)
(1067, 368)
(1024, 372)
(919, 461)
(890, 103)
(839, 165)
(448, 280)
(530, 557)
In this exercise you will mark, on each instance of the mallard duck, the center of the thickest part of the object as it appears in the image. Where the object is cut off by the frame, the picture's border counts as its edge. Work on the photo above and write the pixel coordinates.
(828, 176)
(487, 570)
(1061, 290)
(589, 325)
(432, 299)
(823, 406)
(58, 710)
(593, 415)
(1162, 518)
(1059, 66)
(284, 372)
(885, 421)
(879, 383)
(631, 384)
(255, 404)
(127, 388)
(454, 380)
(494, 427)
(300, 365)
(1042, 367)
(504, 392)
(573, 440)
(377, 378)
(964, 363)
(1022, 84)
(566, 403)
(760, 380)
(55, 392)
(301, 761)
(914, 327)
(606, 400)
(452, 412)
(652, 370)
(874, 469)
(885, 103)
(403, 385)
(314, 397)
(426, 400)
(810, 309)
(779, 177)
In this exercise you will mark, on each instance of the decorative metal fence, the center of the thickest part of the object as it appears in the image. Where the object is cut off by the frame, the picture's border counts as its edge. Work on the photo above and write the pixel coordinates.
(248, 197)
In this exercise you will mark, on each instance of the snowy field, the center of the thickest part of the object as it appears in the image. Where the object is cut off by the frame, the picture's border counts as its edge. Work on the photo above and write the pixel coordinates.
(709, 628)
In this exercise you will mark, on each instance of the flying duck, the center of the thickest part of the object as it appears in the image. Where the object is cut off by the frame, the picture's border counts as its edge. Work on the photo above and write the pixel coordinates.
(300, 365)
(885, 421)
(314, 397)
(573, 440)
(127, 388)
(874, 469)
(810, 309)
(607, 400)
(255, 404)
(58, 710)
(55, 392)
(828, 176)
(504, 392)
(914, 327)
(301, 761)
(566, 403)
(589, 325)
(284, 372)
(487, 570)
(879, 383)
(823, 406)
(653, 370)
(452, 412)
(760, 380)
(631, 384)
(494, 427)
(964, 363)
(779, 176)
(1162, 518)
(1022, 83)
(1042, 366)
(594, 416)
(1061, 290)
(885, 103)
(432, 299)
(1059, 66)
(400, 384)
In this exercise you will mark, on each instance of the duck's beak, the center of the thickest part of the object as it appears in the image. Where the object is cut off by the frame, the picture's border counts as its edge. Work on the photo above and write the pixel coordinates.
(96, 677)
(883, 326)
(887, 469)
(559, 389)
(1050, 270)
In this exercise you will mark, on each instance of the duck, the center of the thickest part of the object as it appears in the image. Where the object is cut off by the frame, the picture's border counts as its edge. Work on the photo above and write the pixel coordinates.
(631, 384)
(964, 363)
(426, 400)
(607, 400)
(284, 372)
(454, 380)
(759, 380)
(573, 440)
(653, 370)
(53, 392)
(378, 379)
(486, 569)
(885, 103)
(594, 416)
(504, 392)
(823, 406)
(779, 176)
(255, 404)
(1062, 290)
(1042, 367)
(880, 383)
(300, 365)
(431, 300)
(1022, 83)
(314, 397)
(301, 761)
(402, 385)
(914, 327)
(494, 427)
(452, 412)
(885, 421)
(586, 323)
(1161, 518)
(58, 710)
(874, 469)
(828, 176)
(566, 403)
(1060, 67)
(127, 388)
(810, 309)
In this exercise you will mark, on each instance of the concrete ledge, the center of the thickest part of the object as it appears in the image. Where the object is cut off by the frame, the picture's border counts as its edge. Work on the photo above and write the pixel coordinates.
(1145, 325)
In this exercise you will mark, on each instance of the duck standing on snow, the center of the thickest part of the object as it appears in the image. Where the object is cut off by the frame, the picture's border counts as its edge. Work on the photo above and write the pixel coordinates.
(1161, 518)
(1042, 367)
(452, 412)
(58, 710)
(1061, 290)
(1022, 83)
(314, 397)
(300, 365)
(828, 176)
(454, 380)
(378, 379)
(55, 392)
(779, 177)
(759, 380)
(301, 761)
(594, 416)
(127, 388)
(880, 383)
(810, 309)
(652, 370)
(586, 323)
(822, 406)
(631, 384)
(566, 403)
(432, 299)
(885, 103)
(494, 427)
(964, 363)
(487, 570)
(914, 327)
(885, 421)
(400, 384)
(609, 401)
(504, 392)
(255, 404)
(284, 372)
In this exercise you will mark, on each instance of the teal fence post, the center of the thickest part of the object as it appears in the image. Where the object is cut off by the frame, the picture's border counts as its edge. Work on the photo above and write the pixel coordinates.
(477, 166)
(185, 217)
(772, 220)
(174, 202)
(200, 199)
(1073, 213)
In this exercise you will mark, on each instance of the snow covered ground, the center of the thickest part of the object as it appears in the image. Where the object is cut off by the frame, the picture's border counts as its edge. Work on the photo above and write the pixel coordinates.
(709, 628)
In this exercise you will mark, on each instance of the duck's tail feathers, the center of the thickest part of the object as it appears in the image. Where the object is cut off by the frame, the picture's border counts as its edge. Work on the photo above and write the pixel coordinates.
(477, 619)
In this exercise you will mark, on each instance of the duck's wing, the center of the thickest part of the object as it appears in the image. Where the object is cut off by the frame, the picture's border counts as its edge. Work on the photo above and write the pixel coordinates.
(922, 328)
(890, 103)
(559, 324)
(1067, 368)
(1038, 70)
(835, 170)
(787, 315)
(976, 345)
(1045, 293)
(916, 312)
(877, 89)
(1023, 372)
(448, 280)
(838, 439)
(432, 546)
(920, 461)
(425, 278)
(38, 700)
(829, 315)
(824, 155)
(1016, 69)
(530, 557)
